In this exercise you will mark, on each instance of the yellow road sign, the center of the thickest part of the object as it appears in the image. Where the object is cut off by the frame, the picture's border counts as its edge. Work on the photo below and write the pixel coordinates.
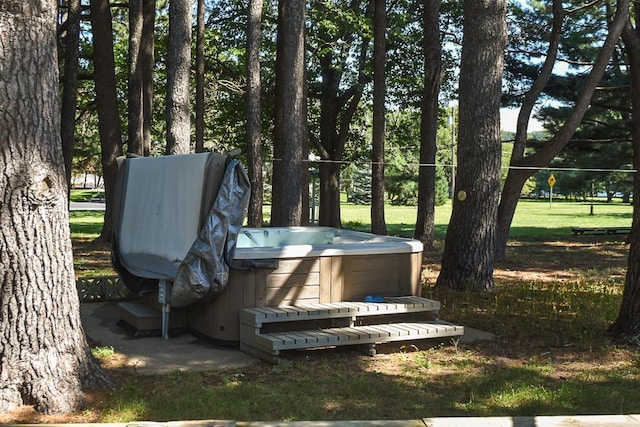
(551, 180)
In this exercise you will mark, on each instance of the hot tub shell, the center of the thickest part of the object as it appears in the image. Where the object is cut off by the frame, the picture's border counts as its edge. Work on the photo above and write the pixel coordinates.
(162, 204)
(336, 265)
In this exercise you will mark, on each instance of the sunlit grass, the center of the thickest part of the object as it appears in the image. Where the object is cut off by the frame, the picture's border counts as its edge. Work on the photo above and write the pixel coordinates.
(86, 224)
(551, 356)
(103, 352)
(442, 380)
(541, 219)
(554, 313)
(534, 219)
(79, 195)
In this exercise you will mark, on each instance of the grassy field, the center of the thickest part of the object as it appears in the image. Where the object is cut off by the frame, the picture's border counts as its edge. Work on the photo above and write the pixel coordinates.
(556, 295)
(534, 219)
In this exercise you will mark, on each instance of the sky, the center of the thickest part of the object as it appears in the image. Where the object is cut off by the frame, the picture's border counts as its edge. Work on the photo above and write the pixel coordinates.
(508, 118)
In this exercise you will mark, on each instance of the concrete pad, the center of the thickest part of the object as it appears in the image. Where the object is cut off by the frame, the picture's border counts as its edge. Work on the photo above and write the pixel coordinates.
(155, 355)
(358, 423)
(541, 421)
(473, 335)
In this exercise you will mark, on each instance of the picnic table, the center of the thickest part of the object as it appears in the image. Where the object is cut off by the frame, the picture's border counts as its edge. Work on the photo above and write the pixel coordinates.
(600, 230)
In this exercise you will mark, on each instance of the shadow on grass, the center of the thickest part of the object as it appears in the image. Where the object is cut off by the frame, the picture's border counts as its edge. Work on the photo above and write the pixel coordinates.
(86, 229)
(597, 215)
(86, 222)
(341, 385)
(556, 313)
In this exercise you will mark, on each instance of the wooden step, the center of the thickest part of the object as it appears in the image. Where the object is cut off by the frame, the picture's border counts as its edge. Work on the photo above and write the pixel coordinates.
(268, 346)
(146, 318)
(265, 331)
(140, 316)
(392, 305)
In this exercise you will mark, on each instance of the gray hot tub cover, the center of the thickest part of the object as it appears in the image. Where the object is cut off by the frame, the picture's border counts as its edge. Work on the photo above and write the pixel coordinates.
(176, 218)
(204, 272)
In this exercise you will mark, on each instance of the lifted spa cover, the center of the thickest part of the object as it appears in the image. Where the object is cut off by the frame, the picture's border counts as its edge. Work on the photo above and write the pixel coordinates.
(204, 272)
(163, 205)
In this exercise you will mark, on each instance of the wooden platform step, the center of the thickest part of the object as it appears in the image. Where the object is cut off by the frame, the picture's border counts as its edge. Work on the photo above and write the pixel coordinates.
(371, 334)
(392, 305)
(140, 317)
(266, 331)
(145, 318)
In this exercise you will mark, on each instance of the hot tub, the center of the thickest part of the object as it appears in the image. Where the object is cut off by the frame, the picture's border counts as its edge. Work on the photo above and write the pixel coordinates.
(292, 265)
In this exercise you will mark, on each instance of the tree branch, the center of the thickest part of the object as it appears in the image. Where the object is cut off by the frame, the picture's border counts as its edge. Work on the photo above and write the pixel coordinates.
(539, 84)
(543, 156)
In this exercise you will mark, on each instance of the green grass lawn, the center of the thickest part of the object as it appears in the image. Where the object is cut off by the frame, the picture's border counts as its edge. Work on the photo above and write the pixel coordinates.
(79, 195)
(534, 219)
(541, 219)
(86, 224)
(551, 356)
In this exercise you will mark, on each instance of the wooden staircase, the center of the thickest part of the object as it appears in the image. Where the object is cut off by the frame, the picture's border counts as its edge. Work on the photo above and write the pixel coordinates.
(266, 331)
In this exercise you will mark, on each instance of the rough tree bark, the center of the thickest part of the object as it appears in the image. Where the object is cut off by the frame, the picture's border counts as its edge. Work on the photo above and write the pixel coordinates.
(178, 72)
(521, 166)
(254, 114)
(337, 109)
(200, 76)
(467, 261)
(44, 356)
(135, 119)
(626, 327)
(429, 122)
(107, 104)
(378, 223)
(290, 173)
(336, 114)
(147, 47)
(70, 84)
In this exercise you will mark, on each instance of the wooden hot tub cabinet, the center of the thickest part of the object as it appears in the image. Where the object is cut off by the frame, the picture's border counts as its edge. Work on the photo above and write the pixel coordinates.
(306, 280)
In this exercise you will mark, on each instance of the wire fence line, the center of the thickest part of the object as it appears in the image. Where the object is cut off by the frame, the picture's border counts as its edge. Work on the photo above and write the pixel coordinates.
(449, 166)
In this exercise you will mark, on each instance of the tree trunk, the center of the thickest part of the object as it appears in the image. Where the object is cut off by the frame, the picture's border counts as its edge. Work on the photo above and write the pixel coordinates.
(107, 104)
(429, 122)
(135, 141)
(178, 71)
(70, 85)
(290, 133)
(329, 211)
(626, 327)
(254, 114)
(200, 77)
(330, 146)
(522, 167)
(378, 223)
(147, 46)
(337, 109)
(516, 178)
(470, 242)
(44, 356)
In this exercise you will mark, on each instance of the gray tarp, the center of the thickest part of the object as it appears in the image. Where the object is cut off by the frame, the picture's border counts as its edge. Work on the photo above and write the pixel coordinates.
(204, 272)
